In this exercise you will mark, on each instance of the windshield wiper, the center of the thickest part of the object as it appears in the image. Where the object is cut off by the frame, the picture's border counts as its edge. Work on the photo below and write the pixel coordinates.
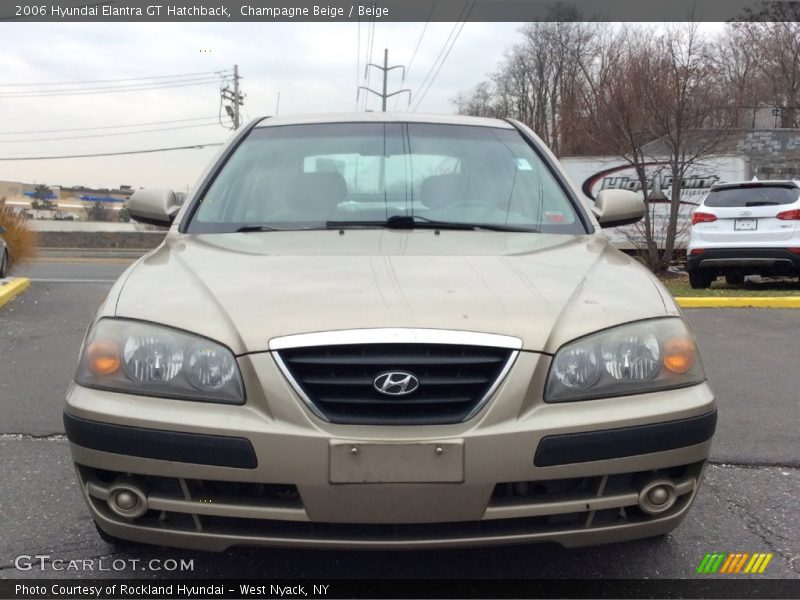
(417, 222)
(256, 228)
(249, 228)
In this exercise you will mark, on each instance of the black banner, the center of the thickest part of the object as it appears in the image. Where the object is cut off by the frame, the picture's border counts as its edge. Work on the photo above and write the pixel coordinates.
(436, 588)
(398, 10)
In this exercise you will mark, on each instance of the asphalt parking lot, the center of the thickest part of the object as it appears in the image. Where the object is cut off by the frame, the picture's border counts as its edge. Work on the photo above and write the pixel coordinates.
(748, 502)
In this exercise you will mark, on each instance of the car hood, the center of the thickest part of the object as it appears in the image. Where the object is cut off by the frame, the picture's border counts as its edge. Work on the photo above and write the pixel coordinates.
(243, 289)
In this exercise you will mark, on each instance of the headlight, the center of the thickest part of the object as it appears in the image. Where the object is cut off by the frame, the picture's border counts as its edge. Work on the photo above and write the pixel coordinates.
(641, 357)
(139, 358)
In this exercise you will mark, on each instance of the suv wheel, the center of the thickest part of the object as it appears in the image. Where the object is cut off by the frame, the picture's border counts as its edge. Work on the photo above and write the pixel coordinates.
(734, 278)
(4, 264)
(700, 280)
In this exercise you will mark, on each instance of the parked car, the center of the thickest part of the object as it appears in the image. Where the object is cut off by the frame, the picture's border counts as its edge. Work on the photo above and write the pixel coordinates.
(387, 331)
(3, 254)
(747, 228)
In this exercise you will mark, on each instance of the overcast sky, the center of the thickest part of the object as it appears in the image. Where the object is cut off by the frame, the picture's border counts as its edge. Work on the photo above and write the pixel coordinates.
(312, 65)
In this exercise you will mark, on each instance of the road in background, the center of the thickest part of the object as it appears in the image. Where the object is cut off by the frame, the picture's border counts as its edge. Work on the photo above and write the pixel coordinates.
(73, 270)
(747, 503)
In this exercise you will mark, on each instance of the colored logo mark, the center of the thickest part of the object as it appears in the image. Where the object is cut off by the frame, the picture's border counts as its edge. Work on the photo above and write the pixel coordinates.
(734, 562)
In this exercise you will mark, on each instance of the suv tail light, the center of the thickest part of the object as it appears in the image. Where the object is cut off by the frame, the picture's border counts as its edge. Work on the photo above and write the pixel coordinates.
(701, 217)
(789, 215)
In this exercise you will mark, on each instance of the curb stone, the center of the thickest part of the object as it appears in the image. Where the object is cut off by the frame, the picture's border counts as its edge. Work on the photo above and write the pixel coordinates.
(11, 288)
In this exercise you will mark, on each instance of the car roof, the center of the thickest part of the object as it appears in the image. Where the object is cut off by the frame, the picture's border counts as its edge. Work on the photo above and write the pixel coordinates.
(382, 117)
(732, 185)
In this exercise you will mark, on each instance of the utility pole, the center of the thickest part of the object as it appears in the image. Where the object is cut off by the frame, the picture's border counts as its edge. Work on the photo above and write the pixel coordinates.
(385, 68)
(235, 98)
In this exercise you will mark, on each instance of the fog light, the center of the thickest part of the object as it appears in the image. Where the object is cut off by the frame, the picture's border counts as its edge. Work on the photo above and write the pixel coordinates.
(127, 500)
(657, 497)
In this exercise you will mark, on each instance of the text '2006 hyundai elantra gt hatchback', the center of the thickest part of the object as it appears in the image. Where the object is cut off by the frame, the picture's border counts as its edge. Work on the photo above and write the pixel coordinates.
(387, 331)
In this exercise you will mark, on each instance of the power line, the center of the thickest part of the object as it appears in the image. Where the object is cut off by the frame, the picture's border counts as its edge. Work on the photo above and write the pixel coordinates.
(107, 126)
(100, 135)
(358, 62)
(107, 90)
(414, 54)
(50, 83)
(441, 64)
(148, 151)
(442, 50)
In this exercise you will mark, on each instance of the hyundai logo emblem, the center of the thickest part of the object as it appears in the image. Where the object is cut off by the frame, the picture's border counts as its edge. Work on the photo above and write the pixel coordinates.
(395, 383)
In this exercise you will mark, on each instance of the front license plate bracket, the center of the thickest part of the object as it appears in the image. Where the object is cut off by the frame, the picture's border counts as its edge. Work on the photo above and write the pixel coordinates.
(411, 462)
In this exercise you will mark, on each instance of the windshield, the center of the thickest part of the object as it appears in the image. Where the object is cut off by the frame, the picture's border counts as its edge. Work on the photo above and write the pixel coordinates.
(384, 174)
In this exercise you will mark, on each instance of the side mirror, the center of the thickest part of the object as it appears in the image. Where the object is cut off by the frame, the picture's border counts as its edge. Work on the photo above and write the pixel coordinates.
(613, 208)
(153, 206)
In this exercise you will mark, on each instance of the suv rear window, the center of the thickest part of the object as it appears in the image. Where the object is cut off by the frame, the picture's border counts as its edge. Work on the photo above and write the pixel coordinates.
(757, 195)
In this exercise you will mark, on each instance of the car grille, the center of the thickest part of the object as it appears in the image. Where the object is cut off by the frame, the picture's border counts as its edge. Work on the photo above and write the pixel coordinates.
(339, 381)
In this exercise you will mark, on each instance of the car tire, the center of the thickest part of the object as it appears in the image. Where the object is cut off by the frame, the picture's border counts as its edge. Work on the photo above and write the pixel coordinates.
(734, 278)
(112, 539)
(4, 265)
(699, 280)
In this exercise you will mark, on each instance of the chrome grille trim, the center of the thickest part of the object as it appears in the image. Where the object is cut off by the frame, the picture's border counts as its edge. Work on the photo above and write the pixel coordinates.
(395, 335)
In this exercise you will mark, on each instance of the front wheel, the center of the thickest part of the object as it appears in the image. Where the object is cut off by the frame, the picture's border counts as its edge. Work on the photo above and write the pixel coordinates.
(4, 265)
(700, 280)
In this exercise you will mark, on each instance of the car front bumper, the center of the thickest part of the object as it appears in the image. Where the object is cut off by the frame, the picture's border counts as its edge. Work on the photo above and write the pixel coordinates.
(211, 476)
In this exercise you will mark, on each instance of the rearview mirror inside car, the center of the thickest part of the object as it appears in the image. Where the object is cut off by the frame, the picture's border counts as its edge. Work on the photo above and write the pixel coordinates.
(154, 206)
(613, 208)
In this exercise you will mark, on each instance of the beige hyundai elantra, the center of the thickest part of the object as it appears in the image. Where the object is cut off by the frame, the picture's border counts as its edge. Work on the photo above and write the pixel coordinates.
(379, 330)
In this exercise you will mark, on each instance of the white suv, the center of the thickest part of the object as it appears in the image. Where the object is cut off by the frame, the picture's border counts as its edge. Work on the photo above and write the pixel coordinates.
(741, 229)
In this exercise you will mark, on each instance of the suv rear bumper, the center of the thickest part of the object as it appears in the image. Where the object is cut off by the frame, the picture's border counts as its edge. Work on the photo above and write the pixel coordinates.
(747, 260)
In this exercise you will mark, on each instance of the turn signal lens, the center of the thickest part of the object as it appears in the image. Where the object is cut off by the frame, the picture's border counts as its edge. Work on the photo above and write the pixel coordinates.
(103, 357)
(680, 355)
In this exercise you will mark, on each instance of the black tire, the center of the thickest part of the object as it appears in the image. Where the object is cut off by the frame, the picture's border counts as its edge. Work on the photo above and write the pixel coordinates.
(113, 540)
(734, 278)
(700, 280)
(4, 264)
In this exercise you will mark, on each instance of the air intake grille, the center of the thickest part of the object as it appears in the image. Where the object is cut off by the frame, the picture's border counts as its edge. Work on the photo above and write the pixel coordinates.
(340, 381)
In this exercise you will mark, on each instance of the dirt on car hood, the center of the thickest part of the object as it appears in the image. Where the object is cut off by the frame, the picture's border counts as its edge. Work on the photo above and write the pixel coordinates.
(243, 289)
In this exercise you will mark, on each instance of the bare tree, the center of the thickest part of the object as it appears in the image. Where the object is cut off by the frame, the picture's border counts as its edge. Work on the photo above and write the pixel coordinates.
(681, 103)
(616, 99)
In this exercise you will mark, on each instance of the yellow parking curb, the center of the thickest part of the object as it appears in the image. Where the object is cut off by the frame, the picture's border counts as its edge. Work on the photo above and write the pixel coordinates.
(13, 288)
(739, 302)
